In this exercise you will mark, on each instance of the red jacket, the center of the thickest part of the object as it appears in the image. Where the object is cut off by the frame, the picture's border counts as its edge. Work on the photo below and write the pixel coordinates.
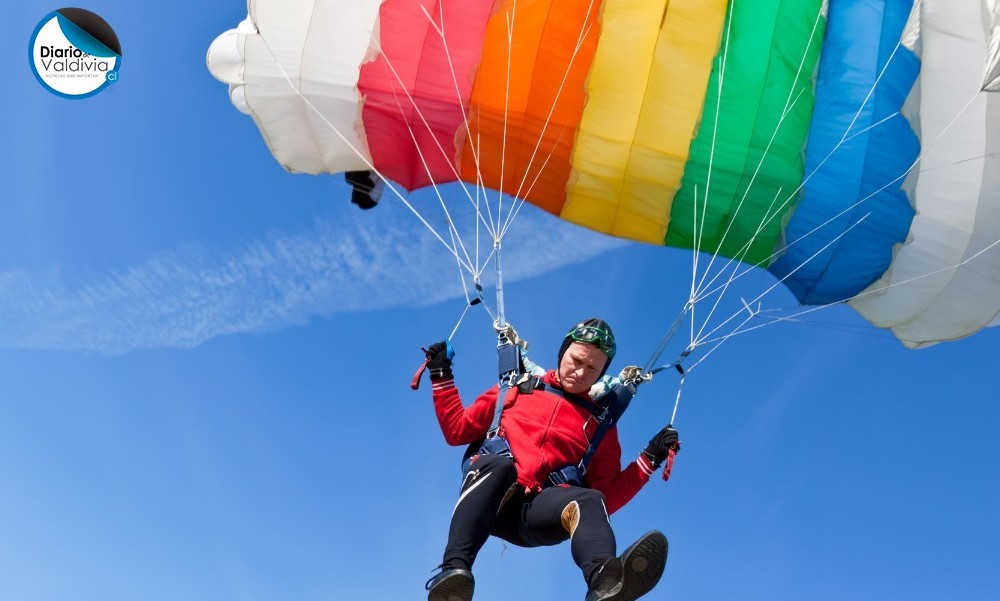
(545, 432)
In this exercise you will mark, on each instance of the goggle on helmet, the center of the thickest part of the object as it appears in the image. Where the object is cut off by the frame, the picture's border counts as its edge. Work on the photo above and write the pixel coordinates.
(593, 335)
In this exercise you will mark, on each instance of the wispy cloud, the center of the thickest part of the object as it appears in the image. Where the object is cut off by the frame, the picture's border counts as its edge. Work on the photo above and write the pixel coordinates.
(185, 296)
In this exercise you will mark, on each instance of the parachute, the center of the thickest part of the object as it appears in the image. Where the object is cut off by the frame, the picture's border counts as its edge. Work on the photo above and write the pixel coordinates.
(991, 79)
(850, 147)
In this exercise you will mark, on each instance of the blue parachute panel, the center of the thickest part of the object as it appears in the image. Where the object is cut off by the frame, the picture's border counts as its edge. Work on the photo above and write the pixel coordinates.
(877, 146)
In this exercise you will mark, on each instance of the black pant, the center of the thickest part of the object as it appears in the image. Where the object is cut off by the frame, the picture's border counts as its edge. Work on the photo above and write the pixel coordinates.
(527, 520)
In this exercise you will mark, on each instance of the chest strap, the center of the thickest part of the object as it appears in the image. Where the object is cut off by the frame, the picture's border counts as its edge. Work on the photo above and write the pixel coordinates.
(607, 409)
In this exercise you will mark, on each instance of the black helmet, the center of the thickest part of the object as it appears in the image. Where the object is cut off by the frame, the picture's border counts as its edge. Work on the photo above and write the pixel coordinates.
(595, 332)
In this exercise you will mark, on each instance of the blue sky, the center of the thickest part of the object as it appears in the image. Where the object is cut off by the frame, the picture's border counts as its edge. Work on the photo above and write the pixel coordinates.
(204, 369)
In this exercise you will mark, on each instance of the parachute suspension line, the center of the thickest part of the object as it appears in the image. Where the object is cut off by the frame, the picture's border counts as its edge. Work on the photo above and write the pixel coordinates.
(492, 226)
(734, 262)
(790, 103)
(461, 276)
(515, 208)
(962, 263)
(370, 166)
(506, 115)
(519, 202)
(694, 264)
(876, 290)
(802, 61)
(718, 343)
(678, 322)
(455, 234)
(518, 199)
(500, 321)
(461, 317)
(816, 229)
(500, 231)
(485, 264)
(469, 302)
(677, 400)
(751, 312)
(720, 292)
(481, 195)
(748, 245)
(584, 33)
(467, 265)
(649, 371)
(871, 127)
(420, 114)
(448, 157)
(454, 76)
(723, 61)
(698, 230)
(774, 320)
(791, 273)
(960, 161)
(521, 194)
(871, 91)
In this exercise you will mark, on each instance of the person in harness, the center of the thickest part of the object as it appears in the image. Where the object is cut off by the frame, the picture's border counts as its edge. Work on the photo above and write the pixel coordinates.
(547, 468)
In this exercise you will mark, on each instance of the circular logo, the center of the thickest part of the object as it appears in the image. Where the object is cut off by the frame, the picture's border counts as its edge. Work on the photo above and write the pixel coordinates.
(74, 53)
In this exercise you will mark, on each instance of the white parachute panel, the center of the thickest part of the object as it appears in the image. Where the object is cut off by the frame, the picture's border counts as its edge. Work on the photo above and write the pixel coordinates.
(991, 77)
(294, 67)
(944, 282)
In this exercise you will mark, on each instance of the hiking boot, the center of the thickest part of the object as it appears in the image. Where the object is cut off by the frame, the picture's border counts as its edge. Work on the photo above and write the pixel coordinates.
(453, 584)
(634, 573)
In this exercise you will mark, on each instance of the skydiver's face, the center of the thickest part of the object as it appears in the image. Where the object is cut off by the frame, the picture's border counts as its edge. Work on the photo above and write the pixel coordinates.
(580, 367)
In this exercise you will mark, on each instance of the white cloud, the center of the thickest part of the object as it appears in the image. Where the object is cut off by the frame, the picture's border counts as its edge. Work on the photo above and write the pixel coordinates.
(183, 297)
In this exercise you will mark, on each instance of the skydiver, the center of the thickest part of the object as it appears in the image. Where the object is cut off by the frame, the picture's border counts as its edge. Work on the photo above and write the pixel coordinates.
(366, 188)
(514, 488)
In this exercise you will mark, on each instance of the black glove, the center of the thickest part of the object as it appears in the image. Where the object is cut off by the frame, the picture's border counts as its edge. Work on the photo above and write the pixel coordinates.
(439, 357)
(659, 446)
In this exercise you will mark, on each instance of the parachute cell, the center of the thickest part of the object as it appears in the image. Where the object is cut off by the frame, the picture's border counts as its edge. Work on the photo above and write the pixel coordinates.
(645, 95)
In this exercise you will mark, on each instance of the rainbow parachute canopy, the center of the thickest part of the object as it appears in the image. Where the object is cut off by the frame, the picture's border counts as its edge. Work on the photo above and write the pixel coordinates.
(849, 146)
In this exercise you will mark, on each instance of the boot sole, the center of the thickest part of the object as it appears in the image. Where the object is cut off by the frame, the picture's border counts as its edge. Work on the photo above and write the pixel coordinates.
(642, 566)
(457, 587)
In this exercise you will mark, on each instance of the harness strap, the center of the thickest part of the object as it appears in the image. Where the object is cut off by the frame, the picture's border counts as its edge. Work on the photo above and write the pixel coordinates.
(509, 359)
(602, 429)
(509, 367)
(608, 410)
(620, 398)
